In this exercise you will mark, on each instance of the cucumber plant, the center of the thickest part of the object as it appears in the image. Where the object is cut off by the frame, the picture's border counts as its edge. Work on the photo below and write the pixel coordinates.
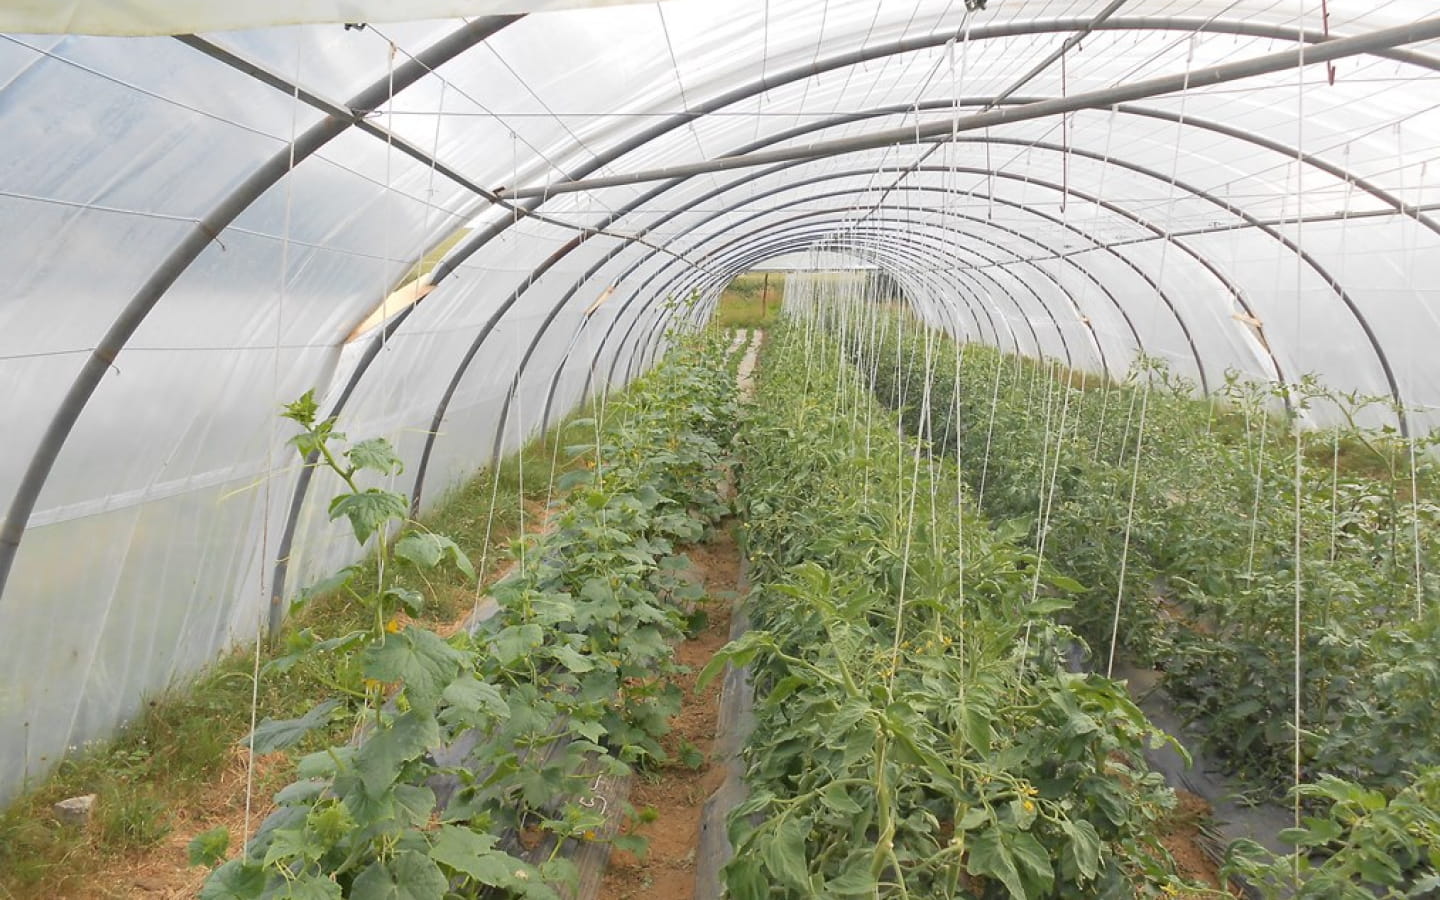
(571, 679)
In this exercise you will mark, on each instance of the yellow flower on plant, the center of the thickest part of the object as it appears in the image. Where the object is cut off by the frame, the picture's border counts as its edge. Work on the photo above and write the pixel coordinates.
(393, 626)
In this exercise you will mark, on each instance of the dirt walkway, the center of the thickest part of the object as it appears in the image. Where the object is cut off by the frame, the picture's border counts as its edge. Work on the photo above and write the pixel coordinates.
(675, 796)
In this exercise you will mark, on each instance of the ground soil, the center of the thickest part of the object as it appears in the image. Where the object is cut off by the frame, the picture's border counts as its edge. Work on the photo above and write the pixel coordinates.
(162, 872)
(677, 793)
(1189, 846)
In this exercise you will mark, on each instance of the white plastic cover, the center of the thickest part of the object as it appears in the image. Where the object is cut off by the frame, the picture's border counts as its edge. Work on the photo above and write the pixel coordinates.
(1275, 225)
(151, 17)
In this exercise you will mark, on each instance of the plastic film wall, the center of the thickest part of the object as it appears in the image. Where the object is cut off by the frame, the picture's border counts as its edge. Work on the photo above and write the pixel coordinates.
(196, 225)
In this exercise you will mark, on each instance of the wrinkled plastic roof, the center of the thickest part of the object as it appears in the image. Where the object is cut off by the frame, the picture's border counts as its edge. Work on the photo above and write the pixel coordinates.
(195, 225)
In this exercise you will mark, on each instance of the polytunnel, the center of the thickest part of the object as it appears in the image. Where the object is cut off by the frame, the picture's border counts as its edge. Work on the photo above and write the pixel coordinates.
(209, 209)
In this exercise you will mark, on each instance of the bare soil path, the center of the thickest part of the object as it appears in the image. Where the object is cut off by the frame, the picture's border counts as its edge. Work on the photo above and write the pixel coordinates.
(675, 796)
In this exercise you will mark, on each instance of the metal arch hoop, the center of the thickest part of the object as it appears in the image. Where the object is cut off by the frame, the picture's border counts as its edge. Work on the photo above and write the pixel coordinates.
(8, 546)
(888, 248)
(1131, 109)
(196, 240)
(1371, 44)
(1200, 366)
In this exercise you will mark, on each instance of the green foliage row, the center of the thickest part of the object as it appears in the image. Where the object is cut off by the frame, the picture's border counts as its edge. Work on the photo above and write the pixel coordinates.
(1180, 518)
(751, 300)
(569, 680)
(168, 760)
(916, 732)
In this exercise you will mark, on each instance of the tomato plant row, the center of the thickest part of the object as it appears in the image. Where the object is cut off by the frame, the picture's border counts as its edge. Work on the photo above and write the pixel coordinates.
(1182, 518)
(570, 679)
(917, 733)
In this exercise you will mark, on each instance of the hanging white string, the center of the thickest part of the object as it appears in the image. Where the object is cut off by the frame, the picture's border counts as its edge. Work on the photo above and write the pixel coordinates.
(990, 428)
(1049, 460)
(1148, 373)
(1335, 433)
(1299, 433)
(275, 376)
(1412, 235)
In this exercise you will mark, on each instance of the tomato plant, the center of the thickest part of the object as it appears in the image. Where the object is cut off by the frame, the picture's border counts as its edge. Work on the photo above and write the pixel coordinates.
(1179, 515)
(916, 731)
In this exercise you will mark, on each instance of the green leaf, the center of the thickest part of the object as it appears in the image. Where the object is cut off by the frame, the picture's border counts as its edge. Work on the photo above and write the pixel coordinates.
(234, 881)
(571, 659)
(288, 845)
(310, 887)
(414, 803)
(1065, 583)
(471, 695)
(738, 653)
(573, 478)
(990, 858)
(377, 455)
(419, 659)
(745, 878)
(408, 599)
(302, 644)
(324, 587)
(301, 792)
(1083, 850)
(631, 843)
(322, 763)
(1034, 863)
(1047, 606)
(474, 855)
(838, 800)
(973, 819)
(303, 410)
(426, 551)
(387, 749)
(854, 880)
(272, 734)
(978, 732)
(409, 876)
(208, 848)
(368, 510)
(1380, 870)
(515, 642)
(784, 854)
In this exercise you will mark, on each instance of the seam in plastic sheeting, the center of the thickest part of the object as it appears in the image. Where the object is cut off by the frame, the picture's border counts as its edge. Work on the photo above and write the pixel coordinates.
(160, 17)
(160, 490)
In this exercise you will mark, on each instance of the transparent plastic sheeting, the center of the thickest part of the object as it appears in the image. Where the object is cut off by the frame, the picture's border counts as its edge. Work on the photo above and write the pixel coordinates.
(150, 17)
(1276, 223)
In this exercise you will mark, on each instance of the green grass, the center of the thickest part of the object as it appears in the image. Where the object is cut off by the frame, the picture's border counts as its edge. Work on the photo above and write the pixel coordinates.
(432, 259)
(747, 303)
(172, 755)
